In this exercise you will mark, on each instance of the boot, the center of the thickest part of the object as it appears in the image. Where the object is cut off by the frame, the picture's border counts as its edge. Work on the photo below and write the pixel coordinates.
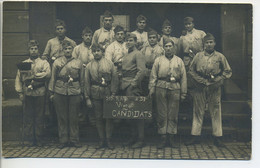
(101, 144)
(217, 142)
(138, 144)
(194, 140)
(162, 143)
(109, 144)
(173, 142)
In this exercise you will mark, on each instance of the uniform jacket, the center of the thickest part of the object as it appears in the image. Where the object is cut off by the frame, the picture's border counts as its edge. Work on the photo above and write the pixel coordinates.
(204, 65)
(115, 51)
(60, 76)
(141, 37)
(165, 68)
(94, 72)
(133, 69)
(41, 69)
(54, 48)
(103, 36)
(83, 53)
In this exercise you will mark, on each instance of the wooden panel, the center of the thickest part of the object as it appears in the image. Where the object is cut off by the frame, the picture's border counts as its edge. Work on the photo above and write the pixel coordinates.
(15, 43)
(16, 21)
(15, 6)
(9, 65)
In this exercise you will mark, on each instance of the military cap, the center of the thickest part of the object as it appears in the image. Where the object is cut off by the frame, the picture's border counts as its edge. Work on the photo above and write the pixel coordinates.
(208, 36)
(167, 40)
(152, 32)
(141, 17)
(59, 22)
(130, 35)
(118, 28)
(166, 23)
(107, 14)
(94, 47)
(24, 66)
(33, 43)
(67, 43)
(87, 30)
(188, 20)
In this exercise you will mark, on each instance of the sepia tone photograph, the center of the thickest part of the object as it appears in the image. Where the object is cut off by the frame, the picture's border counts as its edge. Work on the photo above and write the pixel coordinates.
(125, 80)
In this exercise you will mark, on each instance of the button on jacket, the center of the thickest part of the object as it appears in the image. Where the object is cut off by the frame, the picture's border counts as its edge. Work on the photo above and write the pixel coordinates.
(39, 68)
(60, 76)
(163, 68)
(83, 53)
(95, 71)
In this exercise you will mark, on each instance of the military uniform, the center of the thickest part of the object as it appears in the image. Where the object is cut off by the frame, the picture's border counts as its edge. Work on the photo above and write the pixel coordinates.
(100, 81)
(66, 84)
(167, 91)
(142, 38)
(31, 83)
(175, 41)
(103, 37)
(208, 72)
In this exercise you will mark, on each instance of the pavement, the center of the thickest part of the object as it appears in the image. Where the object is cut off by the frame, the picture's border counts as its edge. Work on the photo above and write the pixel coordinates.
(204, 151)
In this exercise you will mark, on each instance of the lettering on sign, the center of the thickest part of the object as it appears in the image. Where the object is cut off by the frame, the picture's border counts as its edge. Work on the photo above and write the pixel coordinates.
(128, 107)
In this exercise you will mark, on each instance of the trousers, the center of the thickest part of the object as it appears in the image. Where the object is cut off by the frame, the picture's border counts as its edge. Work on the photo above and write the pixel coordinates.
(67, 107)
(201, 97)
(167, 110)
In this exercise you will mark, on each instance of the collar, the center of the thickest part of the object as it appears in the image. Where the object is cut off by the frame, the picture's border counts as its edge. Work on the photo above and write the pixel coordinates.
(192, 31)
(169, 58)
(105, 30)
(131, 50)
(86, 45)
(207, 54)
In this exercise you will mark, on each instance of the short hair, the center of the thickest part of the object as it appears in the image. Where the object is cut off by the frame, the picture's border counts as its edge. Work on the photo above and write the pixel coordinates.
(118, 28)
(140, 17)
(208, 36)
(130, 35)
(59, 22)
(87, 30)
(94, 47)
(108, 14)
(33, 43)
(188, 20)
(67, 43)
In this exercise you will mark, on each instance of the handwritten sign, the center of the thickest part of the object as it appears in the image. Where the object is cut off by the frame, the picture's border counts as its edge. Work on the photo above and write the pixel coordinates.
(127, 107)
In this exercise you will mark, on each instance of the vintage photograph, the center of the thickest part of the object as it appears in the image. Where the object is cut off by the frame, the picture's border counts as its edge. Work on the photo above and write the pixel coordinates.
(125, 80)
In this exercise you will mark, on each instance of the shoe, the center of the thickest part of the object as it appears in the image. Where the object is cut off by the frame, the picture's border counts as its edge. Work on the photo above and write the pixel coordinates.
(101, 144)
(173, 142)
(62, 145)
(109, 144)
(194, 140)
(162, 142)
(138, 144)
(217, 142)
(76, 144)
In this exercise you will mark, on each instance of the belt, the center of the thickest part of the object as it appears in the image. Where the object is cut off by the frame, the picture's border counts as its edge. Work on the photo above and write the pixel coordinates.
(100, 84)
(208, 76)
(167, 79)
(66, 79)
(128, 75)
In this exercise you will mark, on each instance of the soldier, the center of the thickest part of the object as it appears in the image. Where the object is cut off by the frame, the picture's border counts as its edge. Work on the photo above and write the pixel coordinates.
(105, 35)
(100, 81)
(167, 30)
(208, 70)
(150, 53)
(84, 54)
(66, 93)
(133, 71)
(30, 85)
(117, 50)
(169, 84)
(141, 34)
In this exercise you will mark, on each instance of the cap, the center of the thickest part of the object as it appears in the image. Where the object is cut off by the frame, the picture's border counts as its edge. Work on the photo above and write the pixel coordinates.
(167, 40)
(87, 30)
(118, 28)
(152, 32)
(130, 35)
(67, 43)
(166, 23)
(208, 36)
(95, 46)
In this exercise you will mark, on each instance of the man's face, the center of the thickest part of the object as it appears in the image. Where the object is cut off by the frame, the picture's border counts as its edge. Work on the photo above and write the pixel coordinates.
(141, 24)
(60, 31)
(68, 51)
(120, 36)
(167, 30)
(130, 42)
(209, 45)
(87, 37)
(33, 51)
(98, 54)
(108, 21)
(189, 26)
(153, 39)
(169, 49)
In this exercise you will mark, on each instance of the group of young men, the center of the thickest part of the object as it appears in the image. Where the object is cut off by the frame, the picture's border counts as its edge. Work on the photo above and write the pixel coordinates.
(111, 62)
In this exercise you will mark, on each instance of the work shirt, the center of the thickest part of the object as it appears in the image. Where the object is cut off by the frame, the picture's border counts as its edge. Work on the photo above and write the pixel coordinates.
(40, 69)
(83, 53)
(96, 72)
(150, 54)
(53, 49)
(133, 69)
(193, 40)
(204, 65)
(116, 51)
(63, 68)
(164, 68)
(141, 37)
(103, 37)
